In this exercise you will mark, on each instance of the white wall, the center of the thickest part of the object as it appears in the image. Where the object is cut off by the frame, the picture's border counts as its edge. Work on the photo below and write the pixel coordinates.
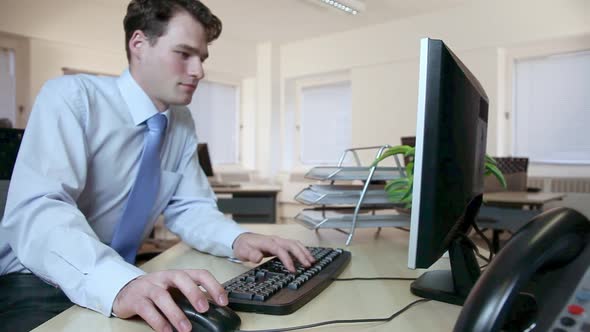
(21, 48)
(88, 35)
(383, 59)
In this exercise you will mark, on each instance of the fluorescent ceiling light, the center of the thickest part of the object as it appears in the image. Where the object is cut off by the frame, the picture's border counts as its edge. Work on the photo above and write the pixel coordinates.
(351, 7)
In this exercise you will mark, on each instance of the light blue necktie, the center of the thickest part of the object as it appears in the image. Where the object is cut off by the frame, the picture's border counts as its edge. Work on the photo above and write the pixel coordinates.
(128, 232)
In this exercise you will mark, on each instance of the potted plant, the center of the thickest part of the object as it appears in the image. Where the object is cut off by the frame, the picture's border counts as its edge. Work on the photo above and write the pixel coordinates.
(400, 190)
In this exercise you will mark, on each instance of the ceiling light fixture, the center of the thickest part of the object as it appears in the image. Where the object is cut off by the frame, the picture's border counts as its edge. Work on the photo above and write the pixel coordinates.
(352, 7)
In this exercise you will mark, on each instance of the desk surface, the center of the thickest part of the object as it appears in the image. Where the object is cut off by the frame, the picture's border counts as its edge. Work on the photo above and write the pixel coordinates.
(383, 254)
(247, 188)
(521, 197)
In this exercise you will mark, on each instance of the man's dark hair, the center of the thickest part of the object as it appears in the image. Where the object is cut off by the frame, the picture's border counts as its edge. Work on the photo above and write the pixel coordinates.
(152, 17)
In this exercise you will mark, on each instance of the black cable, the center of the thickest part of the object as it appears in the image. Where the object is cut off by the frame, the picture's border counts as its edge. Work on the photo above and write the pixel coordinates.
(474, 248)
(342, 321)
(486, 240)
(374, 278)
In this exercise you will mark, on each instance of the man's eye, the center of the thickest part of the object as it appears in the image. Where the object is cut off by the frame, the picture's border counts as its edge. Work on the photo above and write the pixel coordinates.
(184, 55)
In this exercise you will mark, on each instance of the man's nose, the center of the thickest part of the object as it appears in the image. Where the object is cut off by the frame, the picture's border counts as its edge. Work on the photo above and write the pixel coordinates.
(196, 68)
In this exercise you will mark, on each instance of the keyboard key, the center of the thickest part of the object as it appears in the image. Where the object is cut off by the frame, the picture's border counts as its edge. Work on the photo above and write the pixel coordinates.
(240, 295)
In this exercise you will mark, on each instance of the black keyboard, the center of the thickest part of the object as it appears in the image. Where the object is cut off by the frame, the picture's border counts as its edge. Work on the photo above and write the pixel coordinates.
(271, 289)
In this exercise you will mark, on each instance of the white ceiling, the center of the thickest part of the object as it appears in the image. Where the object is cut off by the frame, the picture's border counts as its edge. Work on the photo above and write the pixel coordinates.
(289, 20)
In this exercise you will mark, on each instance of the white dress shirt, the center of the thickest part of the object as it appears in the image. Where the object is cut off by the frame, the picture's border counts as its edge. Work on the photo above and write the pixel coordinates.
(74, 171)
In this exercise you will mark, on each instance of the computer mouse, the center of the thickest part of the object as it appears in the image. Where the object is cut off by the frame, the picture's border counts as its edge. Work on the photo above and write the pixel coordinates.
(216, 319)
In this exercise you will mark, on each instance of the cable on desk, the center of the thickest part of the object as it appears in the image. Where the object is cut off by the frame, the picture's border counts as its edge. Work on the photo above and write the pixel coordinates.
(474, 248)
(342, 321)
(373, 278)
(486, 240)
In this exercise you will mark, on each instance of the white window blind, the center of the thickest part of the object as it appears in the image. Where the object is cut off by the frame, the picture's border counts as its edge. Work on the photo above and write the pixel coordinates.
(215, 111)
(325, 123)
(7, 85)
(552, 109)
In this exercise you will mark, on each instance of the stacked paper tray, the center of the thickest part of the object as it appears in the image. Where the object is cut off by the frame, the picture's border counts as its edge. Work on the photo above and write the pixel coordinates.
(314, 219)
(342, 195)
(325, 173)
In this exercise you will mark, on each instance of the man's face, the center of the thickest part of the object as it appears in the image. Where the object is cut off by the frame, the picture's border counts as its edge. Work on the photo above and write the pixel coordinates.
(170, 70)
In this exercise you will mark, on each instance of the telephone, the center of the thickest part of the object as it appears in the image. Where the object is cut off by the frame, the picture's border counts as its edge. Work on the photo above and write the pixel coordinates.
(540, 281)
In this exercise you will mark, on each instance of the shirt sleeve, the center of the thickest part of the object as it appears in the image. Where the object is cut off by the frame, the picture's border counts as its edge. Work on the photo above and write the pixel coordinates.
(48, 233)
(192, 212)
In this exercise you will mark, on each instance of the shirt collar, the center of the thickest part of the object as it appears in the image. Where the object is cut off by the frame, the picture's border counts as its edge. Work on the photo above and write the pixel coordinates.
(139, 104)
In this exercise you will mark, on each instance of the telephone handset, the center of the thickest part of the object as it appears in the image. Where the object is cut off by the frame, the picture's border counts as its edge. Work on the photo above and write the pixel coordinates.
(540, 281)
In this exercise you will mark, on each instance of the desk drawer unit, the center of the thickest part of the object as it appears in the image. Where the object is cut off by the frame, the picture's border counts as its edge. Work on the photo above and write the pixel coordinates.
(250, 208)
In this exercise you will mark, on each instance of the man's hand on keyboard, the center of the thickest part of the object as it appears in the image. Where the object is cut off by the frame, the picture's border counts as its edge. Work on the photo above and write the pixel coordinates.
(253, 247)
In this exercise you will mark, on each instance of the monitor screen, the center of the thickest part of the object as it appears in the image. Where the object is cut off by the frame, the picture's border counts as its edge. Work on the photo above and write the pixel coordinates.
(204, 159)
(448, 172)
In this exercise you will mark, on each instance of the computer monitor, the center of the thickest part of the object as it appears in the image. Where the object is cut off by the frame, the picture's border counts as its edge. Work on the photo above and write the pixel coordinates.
(448, 173)
(204, 159)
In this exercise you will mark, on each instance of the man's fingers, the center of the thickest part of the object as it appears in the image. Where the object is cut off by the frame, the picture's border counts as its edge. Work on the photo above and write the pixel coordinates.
(255, 255)
(162, 299)
(285, 257)
(211, 285)
(255, 246)
(249, 253)
(148, 312)
(301, 253)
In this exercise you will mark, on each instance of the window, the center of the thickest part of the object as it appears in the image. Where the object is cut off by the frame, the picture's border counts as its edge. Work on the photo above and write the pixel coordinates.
(325, 123)
(215, 110)
(7, 86)
(552, 108)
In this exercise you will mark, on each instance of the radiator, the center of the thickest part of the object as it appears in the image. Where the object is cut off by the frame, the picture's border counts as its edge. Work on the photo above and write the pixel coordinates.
(560, 185)
(570, 185)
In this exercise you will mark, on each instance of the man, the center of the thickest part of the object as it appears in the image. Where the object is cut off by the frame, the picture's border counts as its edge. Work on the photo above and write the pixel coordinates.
(85, 177)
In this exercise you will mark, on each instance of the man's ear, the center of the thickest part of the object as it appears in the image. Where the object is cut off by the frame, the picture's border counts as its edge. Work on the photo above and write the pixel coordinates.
(137, 44)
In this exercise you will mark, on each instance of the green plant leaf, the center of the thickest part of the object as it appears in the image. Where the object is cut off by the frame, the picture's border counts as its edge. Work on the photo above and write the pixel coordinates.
(396, 182)
(396, 197)
(399, 149)
(410, 169)
(497, 173)
(491, 160)
(409, 191)
(400, 190)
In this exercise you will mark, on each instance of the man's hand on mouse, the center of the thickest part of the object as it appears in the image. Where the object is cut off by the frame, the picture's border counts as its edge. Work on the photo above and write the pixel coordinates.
(148, 297)
(253, 247)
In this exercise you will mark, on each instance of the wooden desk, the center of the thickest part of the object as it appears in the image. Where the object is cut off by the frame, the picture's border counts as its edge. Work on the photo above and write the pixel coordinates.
(249, 203)
(510, 210)
(520, 199)
(383, 254)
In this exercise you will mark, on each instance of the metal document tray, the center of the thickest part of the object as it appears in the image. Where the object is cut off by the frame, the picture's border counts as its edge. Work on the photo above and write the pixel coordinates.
(314, 219)
(342, 195)
(326, 173)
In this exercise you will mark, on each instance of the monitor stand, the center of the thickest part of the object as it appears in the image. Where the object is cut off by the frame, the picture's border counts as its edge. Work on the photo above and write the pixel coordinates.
(450, 286)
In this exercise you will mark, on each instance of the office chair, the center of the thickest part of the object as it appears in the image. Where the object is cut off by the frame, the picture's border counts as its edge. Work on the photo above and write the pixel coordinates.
(515, 172)
(501, 219)
(10, 140)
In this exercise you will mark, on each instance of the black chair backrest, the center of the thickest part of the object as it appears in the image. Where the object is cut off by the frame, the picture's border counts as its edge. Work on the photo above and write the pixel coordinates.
(515, 171)
(10, 140)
